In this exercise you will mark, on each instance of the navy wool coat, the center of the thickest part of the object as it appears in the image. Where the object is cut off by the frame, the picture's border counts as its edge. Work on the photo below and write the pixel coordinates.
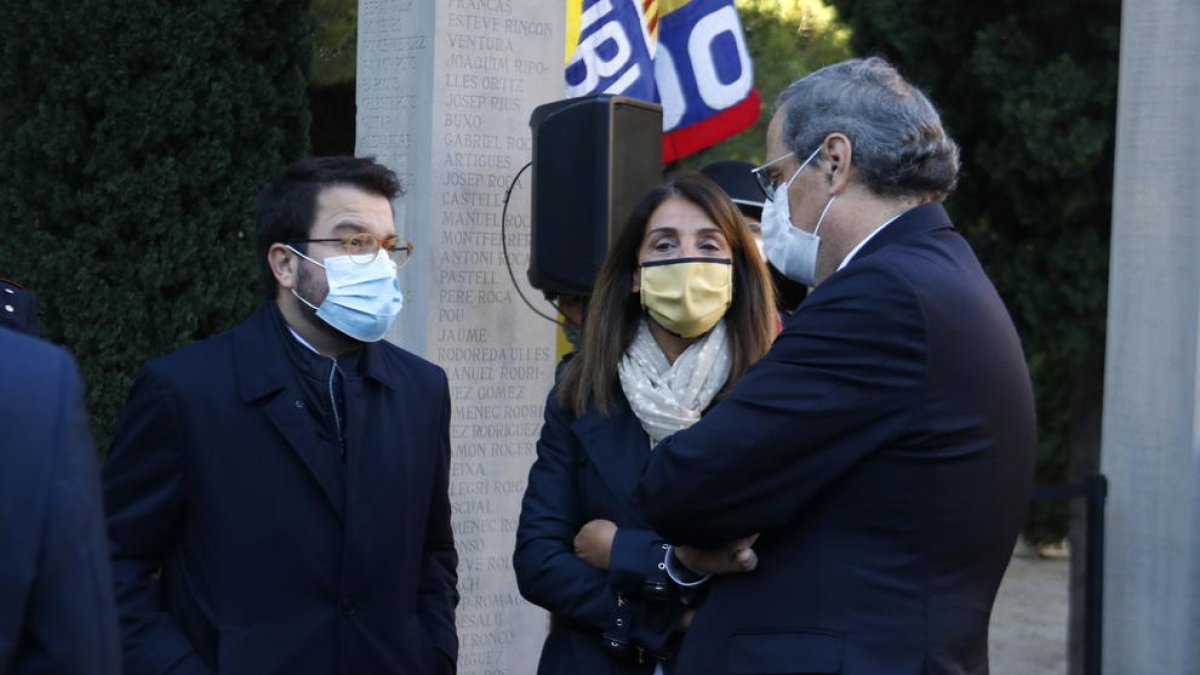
(884, 449)
(602, 622)
(56, 600)
(244, 545)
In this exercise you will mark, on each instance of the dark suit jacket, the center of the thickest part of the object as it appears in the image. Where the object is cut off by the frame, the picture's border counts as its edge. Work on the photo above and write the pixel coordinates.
(57, 615)
(884, 448)
(586, 468)
(275, 555)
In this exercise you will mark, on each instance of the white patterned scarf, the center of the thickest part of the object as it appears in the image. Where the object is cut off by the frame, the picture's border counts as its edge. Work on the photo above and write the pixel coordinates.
(667, 397)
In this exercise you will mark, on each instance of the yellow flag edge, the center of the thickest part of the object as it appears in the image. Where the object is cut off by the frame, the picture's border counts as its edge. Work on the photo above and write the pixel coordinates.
(574, 26)
(665, 7)
(575, 21)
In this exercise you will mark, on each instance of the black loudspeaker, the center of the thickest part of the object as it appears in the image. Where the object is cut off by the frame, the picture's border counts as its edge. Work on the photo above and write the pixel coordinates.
(593, 159)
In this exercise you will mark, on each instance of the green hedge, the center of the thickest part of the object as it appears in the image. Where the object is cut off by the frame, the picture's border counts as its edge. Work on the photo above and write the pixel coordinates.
(134, 135)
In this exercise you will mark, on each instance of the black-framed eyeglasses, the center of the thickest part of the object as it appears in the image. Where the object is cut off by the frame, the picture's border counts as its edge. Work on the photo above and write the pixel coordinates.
(764, 181)
(362, 247)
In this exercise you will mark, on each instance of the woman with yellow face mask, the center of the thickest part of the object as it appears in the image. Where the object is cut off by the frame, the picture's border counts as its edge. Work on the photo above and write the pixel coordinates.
(681, 308)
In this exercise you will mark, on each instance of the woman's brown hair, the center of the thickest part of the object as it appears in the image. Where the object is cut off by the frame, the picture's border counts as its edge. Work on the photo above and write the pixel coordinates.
(614, 310)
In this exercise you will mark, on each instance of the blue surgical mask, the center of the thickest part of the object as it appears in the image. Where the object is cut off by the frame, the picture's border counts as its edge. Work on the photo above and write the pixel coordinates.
(790, 249)
(363, 300)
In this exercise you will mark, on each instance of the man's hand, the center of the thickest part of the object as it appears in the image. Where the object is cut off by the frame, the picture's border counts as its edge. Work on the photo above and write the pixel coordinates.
(729, 558)
(594, 542)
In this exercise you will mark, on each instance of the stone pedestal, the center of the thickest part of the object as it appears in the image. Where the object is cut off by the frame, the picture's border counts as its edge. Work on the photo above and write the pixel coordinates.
(445, 90)
(1151, 438)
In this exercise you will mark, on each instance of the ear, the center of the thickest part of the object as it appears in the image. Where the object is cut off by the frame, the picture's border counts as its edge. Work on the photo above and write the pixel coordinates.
(839, 154)
(284, 265)
(637, 281)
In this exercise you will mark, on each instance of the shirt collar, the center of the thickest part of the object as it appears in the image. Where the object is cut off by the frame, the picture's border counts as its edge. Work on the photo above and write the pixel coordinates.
(306, 343)
(348, 363)
(854, 251)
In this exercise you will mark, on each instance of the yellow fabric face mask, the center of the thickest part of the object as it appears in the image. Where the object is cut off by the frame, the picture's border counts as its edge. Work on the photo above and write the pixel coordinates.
(687, 296)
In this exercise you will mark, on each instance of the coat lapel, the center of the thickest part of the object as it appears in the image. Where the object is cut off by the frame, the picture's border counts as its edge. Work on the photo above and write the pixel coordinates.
(266, 377)
(619, 448)
(296, 427)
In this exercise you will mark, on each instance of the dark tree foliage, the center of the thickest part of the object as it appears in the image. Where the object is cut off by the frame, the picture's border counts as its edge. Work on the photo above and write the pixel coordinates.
(134, 136)
(1028, 88)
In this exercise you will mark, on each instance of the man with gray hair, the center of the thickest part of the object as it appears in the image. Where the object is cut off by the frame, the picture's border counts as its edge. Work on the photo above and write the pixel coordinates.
(883, 450)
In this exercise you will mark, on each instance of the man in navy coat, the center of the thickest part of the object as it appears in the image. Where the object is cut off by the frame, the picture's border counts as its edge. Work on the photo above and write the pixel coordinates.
(884, 448)
(277, 495)
(57, 615)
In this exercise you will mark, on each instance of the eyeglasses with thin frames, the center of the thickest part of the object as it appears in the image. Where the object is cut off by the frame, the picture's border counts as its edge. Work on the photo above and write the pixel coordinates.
(362, 247)
(764, 181)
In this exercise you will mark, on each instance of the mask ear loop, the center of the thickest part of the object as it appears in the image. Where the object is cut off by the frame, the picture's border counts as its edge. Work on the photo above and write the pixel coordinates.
(803, 165)
(783, 189)
(310, 305)
(298, 297)
(293, 250)
(824, 211)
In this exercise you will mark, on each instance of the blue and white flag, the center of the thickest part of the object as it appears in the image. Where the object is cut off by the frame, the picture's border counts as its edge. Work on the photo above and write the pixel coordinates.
(689, 56)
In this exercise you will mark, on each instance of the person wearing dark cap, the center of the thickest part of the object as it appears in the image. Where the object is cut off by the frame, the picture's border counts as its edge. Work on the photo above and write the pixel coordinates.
(18, 310)
(735, 178)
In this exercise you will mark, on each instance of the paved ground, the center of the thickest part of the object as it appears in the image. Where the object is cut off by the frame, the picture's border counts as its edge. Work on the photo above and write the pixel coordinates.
(1029, 622)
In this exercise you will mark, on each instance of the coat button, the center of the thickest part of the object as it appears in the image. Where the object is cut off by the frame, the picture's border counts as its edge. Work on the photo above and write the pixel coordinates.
(347, 607)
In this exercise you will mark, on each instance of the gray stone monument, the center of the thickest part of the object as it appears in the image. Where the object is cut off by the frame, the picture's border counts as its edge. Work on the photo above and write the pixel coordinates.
(1151, 437)
(445, 90)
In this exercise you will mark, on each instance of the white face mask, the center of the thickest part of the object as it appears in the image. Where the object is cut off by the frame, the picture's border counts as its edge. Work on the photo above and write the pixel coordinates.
(790, 249)
(363, 300)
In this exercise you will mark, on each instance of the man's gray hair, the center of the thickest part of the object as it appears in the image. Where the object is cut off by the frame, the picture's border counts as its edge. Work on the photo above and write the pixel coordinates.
(898, 142)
